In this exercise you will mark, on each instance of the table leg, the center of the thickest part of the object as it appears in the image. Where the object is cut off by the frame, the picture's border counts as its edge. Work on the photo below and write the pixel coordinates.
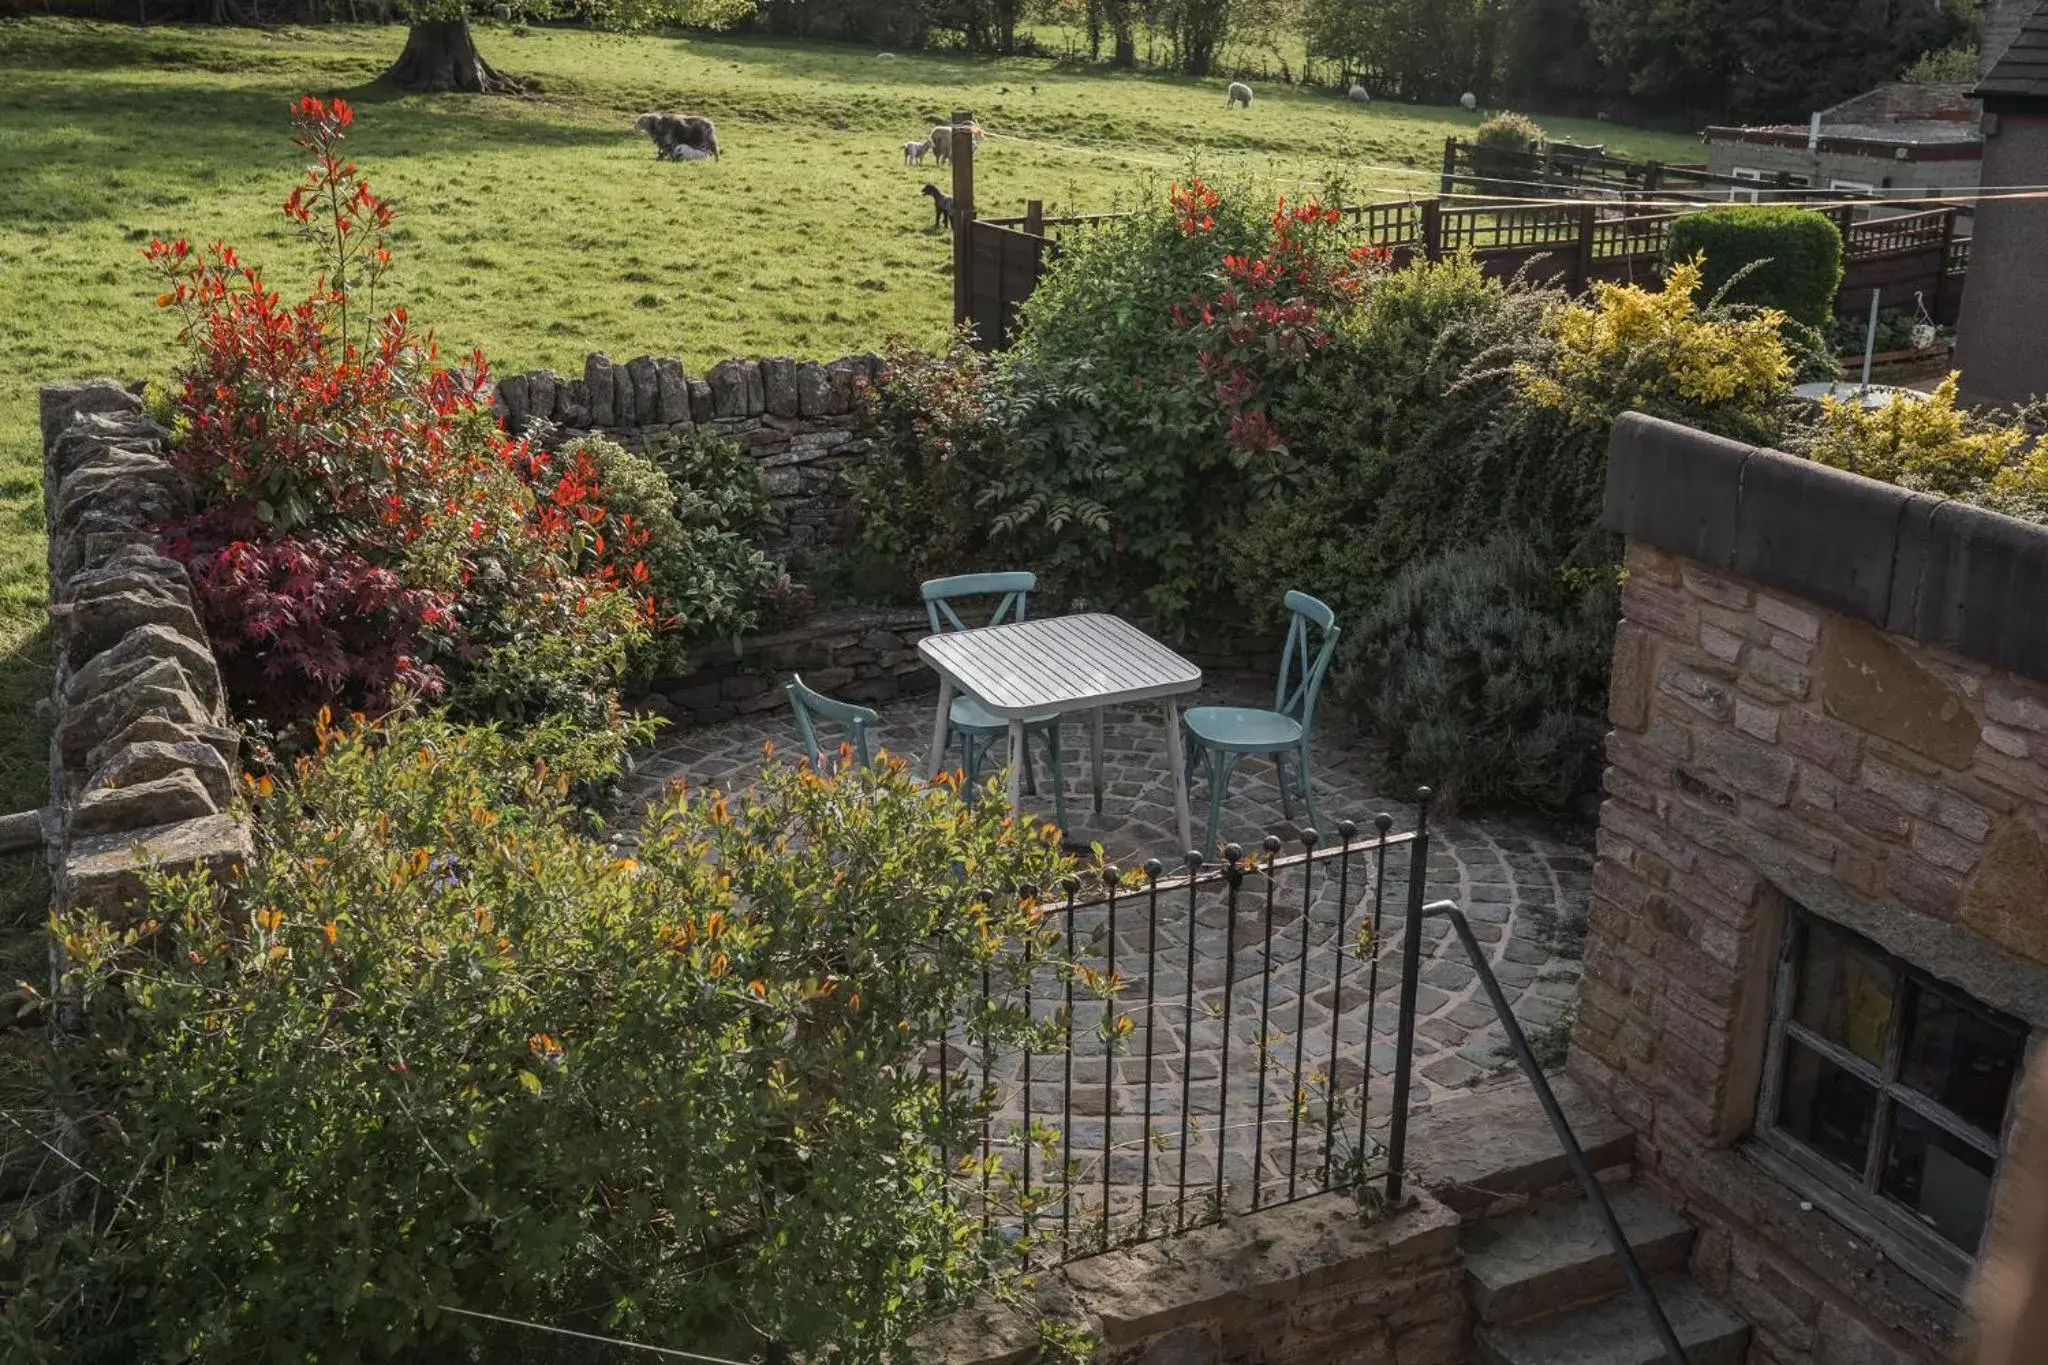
(1095, 745)
(1177, 773)
(938, 749)
(1018, 758)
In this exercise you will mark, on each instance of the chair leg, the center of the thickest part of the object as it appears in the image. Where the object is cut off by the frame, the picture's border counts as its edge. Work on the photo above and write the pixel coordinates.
(1221, 766)
(1030, 775)
(1308, 789)
(1280, 774)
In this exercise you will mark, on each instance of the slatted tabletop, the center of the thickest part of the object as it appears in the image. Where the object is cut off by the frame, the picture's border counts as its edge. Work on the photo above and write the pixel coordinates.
(1059, 663)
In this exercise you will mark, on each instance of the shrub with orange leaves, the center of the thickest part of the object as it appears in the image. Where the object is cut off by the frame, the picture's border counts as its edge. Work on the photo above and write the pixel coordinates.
(486, 1064)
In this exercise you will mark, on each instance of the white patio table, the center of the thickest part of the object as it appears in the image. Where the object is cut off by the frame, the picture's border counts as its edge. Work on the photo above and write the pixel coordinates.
(1062, 663)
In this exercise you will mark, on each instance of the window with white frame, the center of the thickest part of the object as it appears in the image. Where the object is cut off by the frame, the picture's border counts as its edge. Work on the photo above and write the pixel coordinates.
(1889, 1086)
(1745, 173)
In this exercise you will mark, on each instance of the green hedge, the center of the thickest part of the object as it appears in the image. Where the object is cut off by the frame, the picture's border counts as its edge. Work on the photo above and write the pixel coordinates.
(1799, 254)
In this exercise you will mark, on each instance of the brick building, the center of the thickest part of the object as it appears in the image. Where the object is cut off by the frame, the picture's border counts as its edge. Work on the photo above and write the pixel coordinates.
(1818, 953)
(1893, 140)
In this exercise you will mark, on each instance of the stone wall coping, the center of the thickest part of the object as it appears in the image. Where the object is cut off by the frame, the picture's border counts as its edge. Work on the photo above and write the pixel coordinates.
(1933, 569)
(1243, 1265)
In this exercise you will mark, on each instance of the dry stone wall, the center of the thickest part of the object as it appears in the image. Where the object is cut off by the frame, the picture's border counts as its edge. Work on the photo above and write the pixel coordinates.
(1826, 692)
(797, 418)
(144, 762)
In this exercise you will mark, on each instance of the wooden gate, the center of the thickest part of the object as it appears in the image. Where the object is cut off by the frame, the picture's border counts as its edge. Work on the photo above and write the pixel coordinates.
(1003, 267)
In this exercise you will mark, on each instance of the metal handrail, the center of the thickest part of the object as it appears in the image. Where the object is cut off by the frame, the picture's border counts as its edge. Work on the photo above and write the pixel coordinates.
(1595, 1193)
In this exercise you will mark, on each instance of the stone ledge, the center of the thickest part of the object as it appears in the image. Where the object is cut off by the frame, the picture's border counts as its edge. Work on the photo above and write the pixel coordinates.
(1309, 1280)
(1941, 572)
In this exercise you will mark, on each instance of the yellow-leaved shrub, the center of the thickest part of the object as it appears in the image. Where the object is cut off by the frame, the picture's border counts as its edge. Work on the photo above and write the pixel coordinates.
(1933, 445)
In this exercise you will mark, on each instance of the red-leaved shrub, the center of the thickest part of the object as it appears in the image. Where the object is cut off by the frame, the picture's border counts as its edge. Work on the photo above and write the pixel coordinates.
(365, 525)
(1266, 315)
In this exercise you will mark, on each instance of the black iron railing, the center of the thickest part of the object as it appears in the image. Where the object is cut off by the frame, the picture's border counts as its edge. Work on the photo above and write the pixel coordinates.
(1231, 1069)
(1596, 1194)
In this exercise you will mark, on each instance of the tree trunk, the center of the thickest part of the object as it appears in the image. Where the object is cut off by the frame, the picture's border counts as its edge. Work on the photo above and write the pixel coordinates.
(1126, 49)
(441, 55)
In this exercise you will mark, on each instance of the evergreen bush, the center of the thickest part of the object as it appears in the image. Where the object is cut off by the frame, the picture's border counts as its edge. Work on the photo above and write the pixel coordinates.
(1792, 256)
(1483, 671)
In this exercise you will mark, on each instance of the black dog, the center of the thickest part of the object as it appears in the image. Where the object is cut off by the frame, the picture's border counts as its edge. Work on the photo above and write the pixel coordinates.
(942, 205)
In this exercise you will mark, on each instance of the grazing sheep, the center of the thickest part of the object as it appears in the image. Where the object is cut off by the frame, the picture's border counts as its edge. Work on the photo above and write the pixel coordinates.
(1239, 93)
(1359, 93)
(1469, 100)
(914, 153)
(942, 140)
(942, 204)
(679, 137)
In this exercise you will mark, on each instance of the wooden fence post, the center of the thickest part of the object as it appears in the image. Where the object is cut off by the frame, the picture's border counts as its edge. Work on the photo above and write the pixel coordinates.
(1432, 229)
(1582, 265)
(963, 216)
(1448, 185)
(1948, 238)
(1034, 217)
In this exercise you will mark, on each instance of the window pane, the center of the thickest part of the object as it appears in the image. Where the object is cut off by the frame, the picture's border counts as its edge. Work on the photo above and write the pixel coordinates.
(1826, 1108)
(1845, 994)
(1957, 1056)
(1943, 1181)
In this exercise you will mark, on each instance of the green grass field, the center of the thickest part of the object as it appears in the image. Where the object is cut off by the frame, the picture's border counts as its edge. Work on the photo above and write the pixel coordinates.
(542, 228)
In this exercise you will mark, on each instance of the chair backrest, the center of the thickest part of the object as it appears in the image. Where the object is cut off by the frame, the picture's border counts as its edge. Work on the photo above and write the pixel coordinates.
(811, 707)
(1301, 671)
(1012, 591)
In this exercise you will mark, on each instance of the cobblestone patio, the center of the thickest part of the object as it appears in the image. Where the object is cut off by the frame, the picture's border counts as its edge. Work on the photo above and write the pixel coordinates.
(1522, 886)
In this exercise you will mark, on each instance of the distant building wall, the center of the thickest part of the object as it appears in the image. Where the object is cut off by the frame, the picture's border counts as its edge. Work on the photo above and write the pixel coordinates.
(1822, 168)
(2002, 335)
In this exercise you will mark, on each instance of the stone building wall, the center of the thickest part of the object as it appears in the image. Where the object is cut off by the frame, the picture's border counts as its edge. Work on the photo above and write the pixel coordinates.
(1304, 1284)
(144, 763)
(797, 418)
(1831, 692)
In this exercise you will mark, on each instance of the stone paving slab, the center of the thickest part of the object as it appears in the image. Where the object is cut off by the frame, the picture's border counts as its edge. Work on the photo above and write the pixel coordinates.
(1523, 887)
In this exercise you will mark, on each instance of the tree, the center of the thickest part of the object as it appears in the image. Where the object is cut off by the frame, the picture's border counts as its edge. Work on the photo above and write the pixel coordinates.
(1122, 16)
(1414, 49)
(440, 52)
(1766, 59)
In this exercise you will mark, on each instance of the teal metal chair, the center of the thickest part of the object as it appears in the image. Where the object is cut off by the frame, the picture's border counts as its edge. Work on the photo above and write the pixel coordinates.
(974, 725)
(812, 707)
(1220, 736)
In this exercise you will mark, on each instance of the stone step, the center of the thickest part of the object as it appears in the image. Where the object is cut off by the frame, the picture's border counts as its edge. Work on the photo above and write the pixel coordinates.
(1616, 1332)
(1478, 1150)
(1552, 1256)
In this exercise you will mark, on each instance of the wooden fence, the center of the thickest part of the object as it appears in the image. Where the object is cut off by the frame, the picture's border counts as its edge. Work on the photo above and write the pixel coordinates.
(1913, 260)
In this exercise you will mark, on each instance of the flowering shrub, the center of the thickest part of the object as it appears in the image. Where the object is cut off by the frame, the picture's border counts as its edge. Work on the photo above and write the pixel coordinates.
(365, 525)
(444, 1056)
(1267, 314)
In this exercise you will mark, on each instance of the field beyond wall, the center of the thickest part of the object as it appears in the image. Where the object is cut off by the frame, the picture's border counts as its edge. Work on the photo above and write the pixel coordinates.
(541, 228)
